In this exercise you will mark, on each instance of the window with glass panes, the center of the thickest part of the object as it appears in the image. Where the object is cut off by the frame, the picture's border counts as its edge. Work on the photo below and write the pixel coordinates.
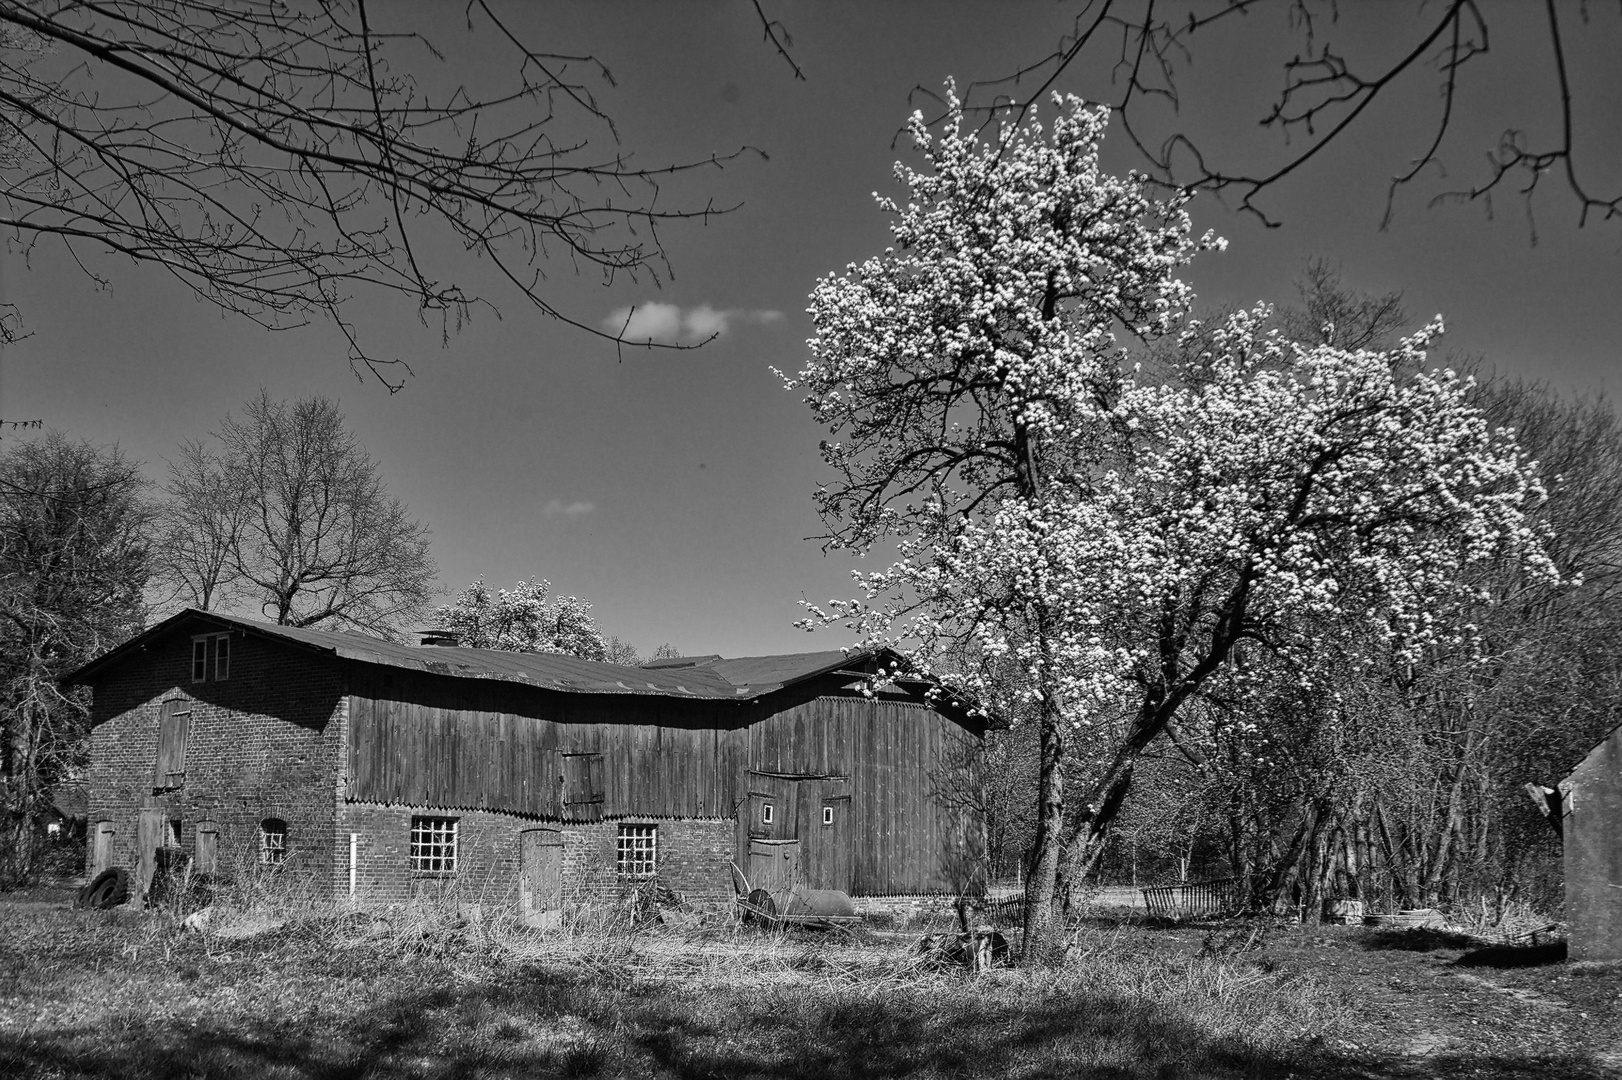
(433, 845)
(637, 850)
(272, 842)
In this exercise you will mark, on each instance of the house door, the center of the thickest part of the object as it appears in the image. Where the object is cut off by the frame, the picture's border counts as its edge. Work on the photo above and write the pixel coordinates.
(540, 871)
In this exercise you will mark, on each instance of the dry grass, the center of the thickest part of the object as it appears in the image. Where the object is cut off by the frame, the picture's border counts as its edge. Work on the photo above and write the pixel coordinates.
(445, 988)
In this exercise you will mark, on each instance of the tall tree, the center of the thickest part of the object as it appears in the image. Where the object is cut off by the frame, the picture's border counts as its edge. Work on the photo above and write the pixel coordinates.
(953, 370)
(1114, 535)
(276, 158)
(528, 618)
(311, 534)
(73, 564)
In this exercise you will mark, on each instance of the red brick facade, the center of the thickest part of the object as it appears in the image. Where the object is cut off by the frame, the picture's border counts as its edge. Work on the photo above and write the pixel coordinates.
(268, 742)
(261, 744)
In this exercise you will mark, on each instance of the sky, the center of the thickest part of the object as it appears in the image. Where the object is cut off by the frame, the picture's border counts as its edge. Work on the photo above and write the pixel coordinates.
(674, 489)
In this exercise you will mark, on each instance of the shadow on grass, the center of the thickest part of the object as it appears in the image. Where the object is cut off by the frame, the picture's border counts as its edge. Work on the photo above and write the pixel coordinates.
(1473, 952)
(1514, 956)
(537, 1023)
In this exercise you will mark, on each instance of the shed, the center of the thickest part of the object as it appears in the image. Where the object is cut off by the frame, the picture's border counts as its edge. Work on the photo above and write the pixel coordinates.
(377, 771)
(1591, 806)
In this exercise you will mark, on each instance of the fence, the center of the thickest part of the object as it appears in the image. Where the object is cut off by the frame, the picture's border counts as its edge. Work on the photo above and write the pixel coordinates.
(1203, 900)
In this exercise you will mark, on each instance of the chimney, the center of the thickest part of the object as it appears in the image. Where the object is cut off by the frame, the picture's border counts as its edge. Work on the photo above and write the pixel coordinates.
(438, 636)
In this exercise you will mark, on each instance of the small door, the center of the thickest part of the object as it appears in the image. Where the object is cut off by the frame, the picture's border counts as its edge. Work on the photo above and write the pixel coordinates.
(540, 871)
(153, 831)
(207, 856)
(774, 865)
(102, 848)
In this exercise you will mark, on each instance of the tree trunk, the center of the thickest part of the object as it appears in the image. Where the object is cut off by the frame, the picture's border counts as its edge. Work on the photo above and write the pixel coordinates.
(1041, 912)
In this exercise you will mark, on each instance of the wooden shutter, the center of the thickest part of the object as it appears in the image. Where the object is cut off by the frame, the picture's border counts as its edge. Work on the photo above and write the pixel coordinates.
(173, 727)
(582, 779)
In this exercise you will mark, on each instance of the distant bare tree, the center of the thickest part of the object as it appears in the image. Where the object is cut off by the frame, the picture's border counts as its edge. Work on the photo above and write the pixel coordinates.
(312, 535)
(73, 563)
(277, 157)
(198, 530)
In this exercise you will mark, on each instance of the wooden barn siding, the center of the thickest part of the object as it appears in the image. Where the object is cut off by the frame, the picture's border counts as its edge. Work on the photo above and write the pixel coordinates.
(912, 774)
(491, 745)
(428, 741)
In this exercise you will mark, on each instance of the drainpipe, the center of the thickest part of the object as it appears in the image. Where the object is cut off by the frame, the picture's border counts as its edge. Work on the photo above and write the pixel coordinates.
(354, 847)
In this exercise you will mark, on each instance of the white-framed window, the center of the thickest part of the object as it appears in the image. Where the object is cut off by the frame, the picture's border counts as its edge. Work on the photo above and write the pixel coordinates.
(637, 851)
(211, 652)
(433, 845)
(766, 814)
(272, 842)
(827, 815)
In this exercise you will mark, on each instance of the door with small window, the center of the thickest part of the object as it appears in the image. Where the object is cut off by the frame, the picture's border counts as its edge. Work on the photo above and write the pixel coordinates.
(813, 812)
(825, 832)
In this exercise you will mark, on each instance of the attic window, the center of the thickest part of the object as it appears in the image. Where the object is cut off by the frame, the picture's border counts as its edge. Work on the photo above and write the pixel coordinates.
(211, 651)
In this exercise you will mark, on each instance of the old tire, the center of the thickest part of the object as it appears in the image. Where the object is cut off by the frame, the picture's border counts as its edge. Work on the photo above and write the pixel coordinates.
(110, 888)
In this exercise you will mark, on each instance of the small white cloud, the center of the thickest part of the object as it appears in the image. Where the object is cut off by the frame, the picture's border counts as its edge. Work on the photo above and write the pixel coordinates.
(704, 322)
(559, 508)
(668, 324)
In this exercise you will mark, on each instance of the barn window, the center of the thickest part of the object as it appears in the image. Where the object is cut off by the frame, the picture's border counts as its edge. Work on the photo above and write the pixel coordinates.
(211, 650)
(766, 814)
(272, 842)
(433, 845)
(827, 815)
(637, 851)
(169, 771)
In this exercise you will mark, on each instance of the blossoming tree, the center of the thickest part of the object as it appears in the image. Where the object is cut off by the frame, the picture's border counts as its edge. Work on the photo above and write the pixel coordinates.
(1113, 538)
(525, 618)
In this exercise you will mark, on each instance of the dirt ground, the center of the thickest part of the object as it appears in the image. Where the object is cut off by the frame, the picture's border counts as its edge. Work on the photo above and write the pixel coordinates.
(125, 994)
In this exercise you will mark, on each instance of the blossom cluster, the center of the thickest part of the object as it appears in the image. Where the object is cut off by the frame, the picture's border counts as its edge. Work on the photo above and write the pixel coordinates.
(1105, 534)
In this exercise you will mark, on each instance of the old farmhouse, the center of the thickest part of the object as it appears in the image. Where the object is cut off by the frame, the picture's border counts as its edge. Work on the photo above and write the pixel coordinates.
(379, 771)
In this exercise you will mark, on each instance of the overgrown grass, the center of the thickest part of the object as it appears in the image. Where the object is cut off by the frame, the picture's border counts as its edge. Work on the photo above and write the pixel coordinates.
(444, 989)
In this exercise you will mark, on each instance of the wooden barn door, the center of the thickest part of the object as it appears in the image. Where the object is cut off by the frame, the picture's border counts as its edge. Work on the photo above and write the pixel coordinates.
(540, 871)
(824, 830)
(774, 865)
(102, 852)
(152, 832)
(810, 812)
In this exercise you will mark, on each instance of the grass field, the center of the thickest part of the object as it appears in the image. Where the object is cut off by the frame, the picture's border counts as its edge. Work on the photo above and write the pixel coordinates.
(422, 994)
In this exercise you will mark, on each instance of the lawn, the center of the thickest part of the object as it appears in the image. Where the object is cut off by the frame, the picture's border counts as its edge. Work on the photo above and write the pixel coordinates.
(422, 994)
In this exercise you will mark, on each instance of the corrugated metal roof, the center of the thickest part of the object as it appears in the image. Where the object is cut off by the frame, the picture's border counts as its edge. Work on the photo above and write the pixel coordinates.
(715, 679)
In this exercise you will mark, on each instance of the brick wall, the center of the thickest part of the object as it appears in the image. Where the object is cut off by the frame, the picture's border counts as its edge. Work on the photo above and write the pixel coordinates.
(692, 857)
(263, 743)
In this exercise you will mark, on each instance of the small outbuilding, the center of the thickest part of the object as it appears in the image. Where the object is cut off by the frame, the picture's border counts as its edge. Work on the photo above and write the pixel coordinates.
(377, 771)
(1591, 832)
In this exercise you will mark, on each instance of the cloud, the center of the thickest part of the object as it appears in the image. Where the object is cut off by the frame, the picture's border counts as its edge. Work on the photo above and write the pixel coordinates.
(669, 324)
(559, 508)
